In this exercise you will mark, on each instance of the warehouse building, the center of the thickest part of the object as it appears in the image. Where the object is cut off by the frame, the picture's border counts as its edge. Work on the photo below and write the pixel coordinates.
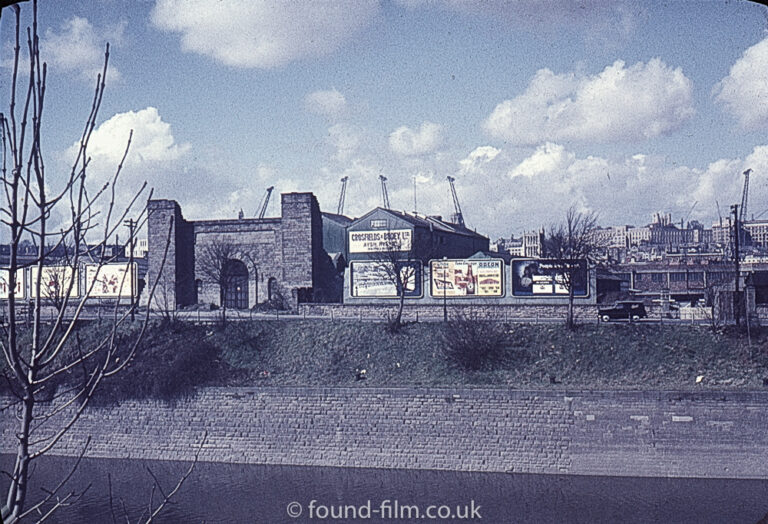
(422, 237)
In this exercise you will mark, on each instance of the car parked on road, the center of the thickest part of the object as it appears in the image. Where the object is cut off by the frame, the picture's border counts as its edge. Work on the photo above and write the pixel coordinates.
(623, 309)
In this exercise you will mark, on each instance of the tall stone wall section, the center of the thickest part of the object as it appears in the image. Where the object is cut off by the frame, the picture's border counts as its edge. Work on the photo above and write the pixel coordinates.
(708, 434)
(301, 232)
(175, 284)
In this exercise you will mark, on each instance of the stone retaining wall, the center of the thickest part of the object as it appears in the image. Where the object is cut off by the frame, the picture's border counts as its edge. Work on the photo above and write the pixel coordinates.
(707, 434)
(411, 312)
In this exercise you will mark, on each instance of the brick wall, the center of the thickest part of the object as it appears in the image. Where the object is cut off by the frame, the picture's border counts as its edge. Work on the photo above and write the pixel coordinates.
(708, 434)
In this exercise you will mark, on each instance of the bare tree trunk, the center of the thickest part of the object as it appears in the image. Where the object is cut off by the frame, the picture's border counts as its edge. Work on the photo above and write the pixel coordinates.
(36, 364)
(400, 306)
(18, 489)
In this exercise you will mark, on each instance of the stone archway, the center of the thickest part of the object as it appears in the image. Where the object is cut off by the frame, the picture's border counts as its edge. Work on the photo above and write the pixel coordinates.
(235, 292)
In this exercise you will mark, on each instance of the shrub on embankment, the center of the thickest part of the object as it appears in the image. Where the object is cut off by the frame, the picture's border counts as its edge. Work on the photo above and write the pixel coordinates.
(173, 359)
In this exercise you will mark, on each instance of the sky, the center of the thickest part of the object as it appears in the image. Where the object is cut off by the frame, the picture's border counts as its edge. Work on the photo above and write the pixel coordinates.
(622, 108)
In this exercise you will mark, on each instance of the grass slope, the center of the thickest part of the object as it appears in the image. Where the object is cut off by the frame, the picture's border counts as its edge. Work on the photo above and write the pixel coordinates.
(174, 359)
(606, 356)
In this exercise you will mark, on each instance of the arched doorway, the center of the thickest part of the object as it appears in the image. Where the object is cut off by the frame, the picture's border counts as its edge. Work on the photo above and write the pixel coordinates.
(235, 284)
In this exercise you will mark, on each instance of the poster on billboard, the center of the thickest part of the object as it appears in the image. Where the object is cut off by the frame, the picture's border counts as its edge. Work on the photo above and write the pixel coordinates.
(466, 278)
(5, 283)
(379, 241)
(110, 281)
(54, 282)
(539, 278)
(372, 279)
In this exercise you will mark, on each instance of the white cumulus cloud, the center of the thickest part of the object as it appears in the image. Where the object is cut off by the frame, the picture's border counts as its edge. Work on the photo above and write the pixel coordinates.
(479, 156)
(152, 140)
(79, 48)
(328, 103)
(744, 92)
(408, 142)
(548, 158)
(153, 157)
(620, 103)
(263, 33)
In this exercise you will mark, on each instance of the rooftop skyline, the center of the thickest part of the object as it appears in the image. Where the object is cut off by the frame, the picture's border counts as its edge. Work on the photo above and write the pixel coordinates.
(619, 107)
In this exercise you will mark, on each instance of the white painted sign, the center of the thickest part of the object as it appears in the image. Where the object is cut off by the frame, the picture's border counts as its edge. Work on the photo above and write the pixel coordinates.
(111, 281)
(4, 284)
(379, 241)
(372, 279)
(54, 282)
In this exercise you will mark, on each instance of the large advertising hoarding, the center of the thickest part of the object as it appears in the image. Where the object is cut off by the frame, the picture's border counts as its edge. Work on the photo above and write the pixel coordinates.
(54, 282)
(5, 284)
(380, 241)
(466, 278)
(375, 280)
(547, 278)
(110, 280)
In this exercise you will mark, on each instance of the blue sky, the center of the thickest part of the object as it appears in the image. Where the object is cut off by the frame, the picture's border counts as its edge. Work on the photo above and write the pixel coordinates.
(624, 108)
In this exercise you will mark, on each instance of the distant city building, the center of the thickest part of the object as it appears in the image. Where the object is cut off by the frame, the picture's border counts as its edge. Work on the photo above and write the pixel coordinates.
(757, 231)
(529, 245)
(140, 248)
(532, 243)
(639, 236)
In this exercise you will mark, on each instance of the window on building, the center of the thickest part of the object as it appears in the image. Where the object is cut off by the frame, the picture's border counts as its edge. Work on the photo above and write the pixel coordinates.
(657, 277)
(677, 277)
(696, 276)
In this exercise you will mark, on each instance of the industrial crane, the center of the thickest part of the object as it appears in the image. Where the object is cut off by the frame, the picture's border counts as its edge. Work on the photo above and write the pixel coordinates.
(265, 202)
(342, 196)
(458, 217)
(744, 195)
(384, 193)
(685, 220)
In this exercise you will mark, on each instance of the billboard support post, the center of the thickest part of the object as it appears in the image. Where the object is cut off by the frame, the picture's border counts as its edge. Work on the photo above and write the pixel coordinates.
(131, 224)
(445, 296)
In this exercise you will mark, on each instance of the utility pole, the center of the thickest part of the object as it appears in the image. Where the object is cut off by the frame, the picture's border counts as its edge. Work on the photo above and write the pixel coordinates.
(736, 234)
(131, 225)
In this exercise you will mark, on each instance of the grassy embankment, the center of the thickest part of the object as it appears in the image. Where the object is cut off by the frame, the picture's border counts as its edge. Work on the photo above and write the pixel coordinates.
(173, 360)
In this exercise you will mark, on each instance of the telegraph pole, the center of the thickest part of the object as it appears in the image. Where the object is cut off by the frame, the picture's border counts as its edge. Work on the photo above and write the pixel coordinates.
(736, 234)
(131, 225)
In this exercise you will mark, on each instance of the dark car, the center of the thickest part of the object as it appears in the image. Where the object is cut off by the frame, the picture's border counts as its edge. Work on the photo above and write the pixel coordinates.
(629, 309)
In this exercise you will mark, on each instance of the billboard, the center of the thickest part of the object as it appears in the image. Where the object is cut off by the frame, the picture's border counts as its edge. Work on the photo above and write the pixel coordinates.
(379, 241)
(4, 283)
(467, 278)
(374, 280)
(110, 280)
(54, 282)
(548, 278)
